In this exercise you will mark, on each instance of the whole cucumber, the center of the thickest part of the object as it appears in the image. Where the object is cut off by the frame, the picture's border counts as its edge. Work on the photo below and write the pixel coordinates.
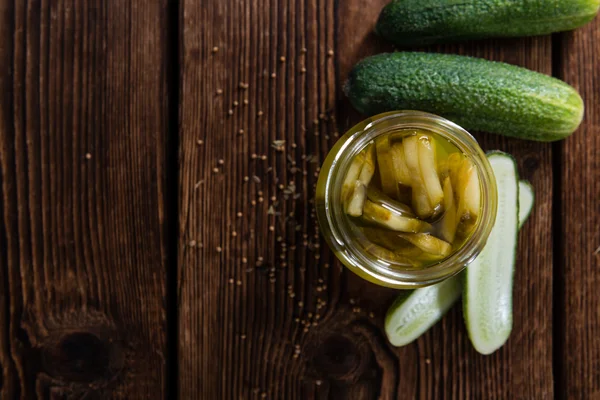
(475, 93)
(419, 22)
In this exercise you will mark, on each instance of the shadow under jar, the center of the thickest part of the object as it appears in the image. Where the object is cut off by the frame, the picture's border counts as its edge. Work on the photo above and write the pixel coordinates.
(406, 199)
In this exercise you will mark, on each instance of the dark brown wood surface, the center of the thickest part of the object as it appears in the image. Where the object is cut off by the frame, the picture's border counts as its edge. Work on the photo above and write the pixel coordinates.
(83, 126)
(126, 272)
(578, 305)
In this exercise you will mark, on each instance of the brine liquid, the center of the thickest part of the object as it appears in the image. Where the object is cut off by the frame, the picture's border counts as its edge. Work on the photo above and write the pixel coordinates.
(411, 198)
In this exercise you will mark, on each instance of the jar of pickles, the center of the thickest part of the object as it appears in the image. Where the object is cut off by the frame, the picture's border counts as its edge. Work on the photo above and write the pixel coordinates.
(406, 199)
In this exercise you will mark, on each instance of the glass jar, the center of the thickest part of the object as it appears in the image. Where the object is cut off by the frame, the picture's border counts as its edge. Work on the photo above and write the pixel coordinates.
(337, 230)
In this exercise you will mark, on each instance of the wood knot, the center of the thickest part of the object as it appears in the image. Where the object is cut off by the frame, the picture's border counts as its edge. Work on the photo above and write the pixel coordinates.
(91, 355)
(342, 357)
(82, 357)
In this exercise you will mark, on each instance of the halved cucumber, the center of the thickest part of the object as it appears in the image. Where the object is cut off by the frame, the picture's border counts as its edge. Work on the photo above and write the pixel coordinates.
(526, 199)
(414, 312)
(488, 280)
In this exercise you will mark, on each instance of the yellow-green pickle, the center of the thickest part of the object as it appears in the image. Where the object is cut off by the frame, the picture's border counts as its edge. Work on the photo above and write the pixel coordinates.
(411, 197)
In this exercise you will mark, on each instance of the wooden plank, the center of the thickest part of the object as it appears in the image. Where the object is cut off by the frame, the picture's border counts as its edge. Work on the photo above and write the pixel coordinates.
(578, 312)
(8, 374)
(443, 363)
(286, 321)
(82, 169)
(246, 298)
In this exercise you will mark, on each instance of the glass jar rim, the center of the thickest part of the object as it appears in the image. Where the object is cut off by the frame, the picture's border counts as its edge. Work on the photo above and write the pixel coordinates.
(336, 227)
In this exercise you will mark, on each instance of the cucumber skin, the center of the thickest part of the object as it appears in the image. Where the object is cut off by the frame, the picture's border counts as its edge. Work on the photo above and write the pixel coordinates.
(475, 93)
(421, 22)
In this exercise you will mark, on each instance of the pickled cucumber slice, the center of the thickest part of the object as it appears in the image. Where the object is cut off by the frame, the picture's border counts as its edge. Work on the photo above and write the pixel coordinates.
(472, 190)
(391, 257)
(400, 167)
(352, 176)
(428, 243)
(378, 197)
(368, 168)
(386, 167)
(450, 221)
(420, 199)
(389, 219)
(354, 206)
(391, 241)
(427, 165)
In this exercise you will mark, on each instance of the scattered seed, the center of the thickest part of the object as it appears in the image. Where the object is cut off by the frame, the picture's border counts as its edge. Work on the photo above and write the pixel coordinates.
(231, 280)
(244, 260)
(271, 228)
(241, 132)
(260, 113)
(234, 233)
(221, 161)
(216, 170)
(246, 179)
(199, 142)
(219, 92)
(282, 59)
(88, 156)
(235, 104)
(263, 157)
(245, 102)
(281, 187)
(273, 75)
(256, 179)
(330, 53)
(261, 199)
(215, 49)
(243, 337)
(303, 70)
(230, 112)
(219, 249)
(253, 203)
(243, 85)
(303, 50)
(239, 283)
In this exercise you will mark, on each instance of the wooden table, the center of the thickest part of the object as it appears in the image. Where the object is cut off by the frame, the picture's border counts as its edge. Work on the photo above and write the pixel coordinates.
(156, 238)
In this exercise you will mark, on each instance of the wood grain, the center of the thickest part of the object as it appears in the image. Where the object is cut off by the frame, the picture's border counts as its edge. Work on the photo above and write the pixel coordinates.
(83, 126)
(8, 374)
(252, 287)
(579, 307)
(262, 300)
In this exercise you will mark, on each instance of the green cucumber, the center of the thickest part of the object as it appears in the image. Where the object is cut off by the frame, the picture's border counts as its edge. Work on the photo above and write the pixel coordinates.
(475, 93)
(414, 312)
(526, 199)
(419, 22)
(488, 280)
